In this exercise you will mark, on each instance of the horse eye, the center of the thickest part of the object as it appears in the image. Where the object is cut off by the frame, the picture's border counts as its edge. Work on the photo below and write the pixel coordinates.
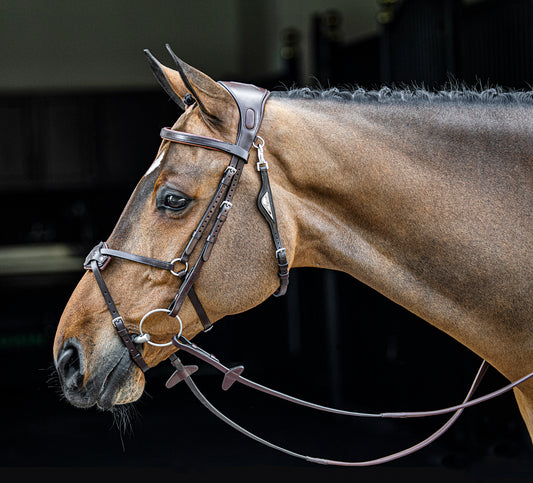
(175, 202)
(171, 200)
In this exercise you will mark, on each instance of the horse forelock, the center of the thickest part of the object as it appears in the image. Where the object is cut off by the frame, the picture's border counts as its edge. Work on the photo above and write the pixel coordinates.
(410, 94)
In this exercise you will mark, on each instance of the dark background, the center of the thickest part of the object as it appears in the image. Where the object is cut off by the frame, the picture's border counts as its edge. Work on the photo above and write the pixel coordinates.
(65, 176)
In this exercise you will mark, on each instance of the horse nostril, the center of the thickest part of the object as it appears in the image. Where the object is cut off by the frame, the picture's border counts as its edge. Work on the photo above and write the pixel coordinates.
(70, 365)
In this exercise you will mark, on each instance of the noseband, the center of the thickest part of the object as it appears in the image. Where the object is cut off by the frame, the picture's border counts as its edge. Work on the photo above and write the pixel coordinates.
(250, 101)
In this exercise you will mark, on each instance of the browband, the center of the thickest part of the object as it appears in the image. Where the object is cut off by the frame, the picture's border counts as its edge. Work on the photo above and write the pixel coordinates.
(204, 142)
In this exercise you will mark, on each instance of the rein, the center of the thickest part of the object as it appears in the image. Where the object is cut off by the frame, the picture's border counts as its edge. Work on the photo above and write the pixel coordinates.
(250, 101)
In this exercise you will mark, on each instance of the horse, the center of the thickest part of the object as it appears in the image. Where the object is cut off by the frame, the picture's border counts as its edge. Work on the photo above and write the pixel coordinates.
(424, 196)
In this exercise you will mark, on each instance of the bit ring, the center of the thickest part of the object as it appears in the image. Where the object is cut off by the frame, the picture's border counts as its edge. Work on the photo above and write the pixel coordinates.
(145, 336)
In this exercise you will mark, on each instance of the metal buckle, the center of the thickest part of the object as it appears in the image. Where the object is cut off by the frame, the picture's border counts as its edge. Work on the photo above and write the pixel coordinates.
(116, 320)
(229, 204)
(231, 169)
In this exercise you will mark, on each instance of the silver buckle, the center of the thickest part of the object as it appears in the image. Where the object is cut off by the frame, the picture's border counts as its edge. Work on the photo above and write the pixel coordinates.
(229, 204)
(231, 169)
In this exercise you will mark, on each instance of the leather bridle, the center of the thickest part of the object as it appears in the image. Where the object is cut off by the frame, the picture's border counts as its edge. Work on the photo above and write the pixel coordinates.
(251, 102)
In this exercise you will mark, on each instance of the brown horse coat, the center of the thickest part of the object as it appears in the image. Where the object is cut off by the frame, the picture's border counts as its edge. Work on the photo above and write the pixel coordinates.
(426, 198)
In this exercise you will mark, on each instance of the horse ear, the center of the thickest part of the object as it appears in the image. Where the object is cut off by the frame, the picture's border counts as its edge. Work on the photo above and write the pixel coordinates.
(210, 96)
(163, 78)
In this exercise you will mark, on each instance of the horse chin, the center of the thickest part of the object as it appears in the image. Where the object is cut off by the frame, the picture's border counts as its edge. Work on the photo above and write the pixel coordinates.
(122, 385)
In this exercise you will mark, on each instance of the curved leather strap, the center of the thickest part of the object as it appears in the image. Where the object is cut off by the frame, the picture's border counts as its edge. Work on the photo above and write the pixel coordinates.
(204, 142)
(184, 373)
(251, 102)
(191, 348)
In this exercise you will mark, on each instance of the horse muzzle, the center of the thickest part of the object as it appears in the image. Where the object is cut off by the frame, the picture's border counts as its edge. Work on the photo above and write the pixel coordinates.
(111, 383)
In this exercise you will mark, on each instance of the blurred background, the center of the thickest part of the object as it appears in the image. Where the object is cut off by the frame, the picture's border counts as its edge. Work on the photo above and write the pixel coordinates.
(72, 73)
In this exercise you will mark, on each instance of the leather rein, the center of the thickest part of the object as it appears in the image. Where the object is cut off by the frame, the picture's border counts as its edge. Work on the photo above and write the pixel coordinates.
(250, 101)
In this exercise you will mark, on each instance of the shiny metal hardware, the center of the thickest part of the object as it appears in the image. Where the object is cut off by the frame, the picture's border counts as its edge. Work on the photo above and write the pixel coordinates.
(262, 163)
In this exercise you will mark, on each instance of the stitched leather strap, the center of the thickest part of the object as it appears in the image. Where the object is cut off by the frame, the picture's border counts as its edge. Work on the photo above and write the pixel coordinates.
(223, 186)
(204, 142)
(184, 373)
(118, 322)
(265, 203)
(138, 258)
(128, 342)
(194, 272)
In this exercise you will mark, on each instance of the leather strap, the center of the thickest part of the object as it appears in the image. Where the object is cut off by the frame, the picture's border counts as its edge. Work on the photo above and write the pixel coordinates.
(251, 102)
(128, 342)
(234, 375)
(265, 203)
(104, 290)
(184, 373)
(204, 319)
(187, 346)
(209, 212)
(138, 259)
(118, 322)
(102, 254)
(194, 272)
(204, 142)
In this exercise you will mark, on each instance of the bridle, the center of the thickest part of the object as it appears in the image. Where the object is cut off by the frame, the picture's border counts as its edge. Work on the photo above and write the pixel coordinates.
(250, 101)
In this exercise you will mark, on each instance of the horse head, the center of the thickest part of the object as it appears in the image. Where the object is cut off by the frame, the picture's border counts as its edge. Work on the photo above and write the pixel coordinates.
(161, 222)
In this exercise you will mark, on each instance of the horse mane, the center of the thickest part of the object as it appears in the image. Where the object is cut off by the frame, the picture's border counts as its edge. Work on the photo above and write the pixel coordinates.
(411, 94)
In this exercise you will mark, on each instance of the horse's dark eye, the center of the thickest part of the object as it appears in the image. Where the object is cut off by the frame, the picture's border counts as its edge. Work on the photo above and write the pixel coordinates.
(175, 202)
(171, 200)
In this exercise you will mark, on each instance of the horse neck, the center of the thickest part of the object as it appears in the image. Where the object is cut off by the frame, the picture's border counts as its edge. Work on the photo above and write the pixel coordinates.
(417, 201)
(359, 173)
(334, 171)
